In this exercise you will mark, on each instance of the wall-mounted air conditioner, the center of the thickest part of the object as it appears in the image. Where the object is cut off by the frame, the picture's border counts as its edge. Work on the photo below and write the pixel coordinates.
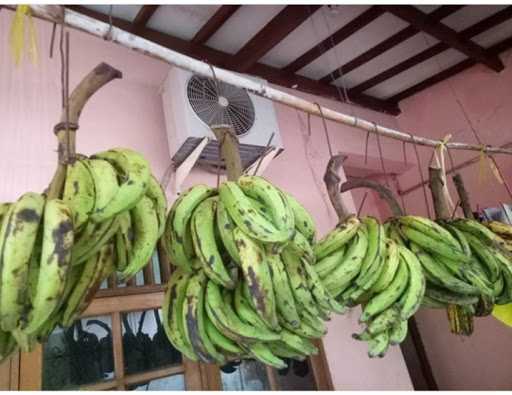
(191, 103)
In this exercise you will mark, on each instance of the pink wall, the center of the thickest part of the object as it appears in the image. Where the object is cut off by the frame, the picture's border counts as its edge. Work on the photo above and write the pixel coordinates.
(483, 360)
(128, 112)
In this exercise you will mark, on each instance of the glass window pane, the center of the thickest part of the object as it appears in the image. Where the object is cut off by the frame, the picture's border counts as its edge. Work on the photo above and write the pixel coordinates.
(248, 375)
(171, 383)
(298, 376)
(145, 344)
(81, 354)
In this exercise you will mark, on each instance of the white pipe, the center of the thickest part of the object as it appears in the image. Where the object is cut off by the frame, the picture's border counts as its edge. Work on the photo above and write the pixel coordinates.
(101, 29)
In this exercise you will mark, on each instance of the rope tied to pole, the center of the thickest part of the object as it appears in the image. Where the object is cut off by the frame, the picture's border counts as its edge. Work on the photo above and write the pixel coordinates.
(326, 131)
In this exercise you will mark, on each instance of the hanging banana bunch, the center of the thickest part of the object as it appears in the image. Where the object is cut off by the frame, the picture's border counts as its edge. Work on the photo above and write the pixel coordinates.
(245, 284)
(55, 253)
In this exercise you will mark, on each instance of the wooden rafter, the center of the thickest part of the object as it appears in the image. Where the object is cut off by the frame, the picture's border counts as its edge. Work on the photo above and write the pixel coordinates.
(214, 23)
(340, 35)
(287, 20)
(450, 72)
(474, 30)
(216, 57)
(445, 34)
(143, 16)
(397, 38)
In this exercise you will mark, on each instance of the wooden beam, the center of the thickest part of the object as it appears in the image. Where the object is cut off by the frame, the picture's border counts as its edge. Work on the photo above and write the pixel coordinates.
(218, 58)
(438, 14)
(445, 34)
(436, 49)
(340, 35)
(450, 72)
(143, 16)
(272, 33)
(214, 23)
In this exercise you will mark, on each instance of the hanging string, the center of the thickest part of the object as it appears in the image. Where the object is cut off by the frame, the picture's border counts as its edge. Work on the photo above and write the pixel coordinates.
(399, 189)
(367, 140)
(264, 152)
(423, 183)
(381, 156)
(52, 39)
(404, 150)
(362, 204)
(326, 131)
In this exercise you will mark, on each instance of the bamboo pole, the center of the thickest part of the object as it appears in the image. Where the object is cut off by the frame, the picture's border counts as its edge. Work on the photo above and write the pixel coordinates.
(97, 28)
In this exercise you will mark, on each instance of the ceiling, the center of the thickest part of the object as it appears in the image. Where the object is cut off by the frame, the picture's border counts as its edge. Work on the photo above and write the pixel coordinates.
(375, 55)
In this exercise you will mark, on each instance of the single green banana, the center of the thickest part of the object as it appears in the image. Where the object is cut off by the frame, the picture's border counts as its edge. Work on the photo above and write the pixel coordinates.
(105, 235)
(55, 261)
(298, 282)
(79, 192)
(123, 240)
(172, 317)
(459, 235)
(22, 225)
(442, 276)
(304, 223)
(378, 345)
(244, 309)
(430, 228)
(416, 286)
(430, 303)
(227, 322)
(194, 320)
(486, 254)
(398, 333)
(256, 273)
(327, 264)
(342, 276)
(319, 292)
(281, 349)
(155, 192)
(226, 227)
(133, 173)
(297, 343)
(339, 236)
(263, 354)
(242, 211)
(260, 189)
(376, 245)
(221, 341)
(89, 275)
(384, 321)
(108, 267)
(390, 295)
(433, 245)
(302, 247)
(391, 261)
(145, 236)
(448, 297)
(205, 244)
(106, 186)
(285, 302)
(175, 240)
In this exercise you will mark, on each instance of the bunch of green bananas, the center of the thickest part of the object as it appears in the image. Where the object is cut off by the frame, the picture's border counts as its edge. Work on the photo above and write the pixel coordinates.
(245, 283)
(359, 264)
(465, 263)
(54, 253)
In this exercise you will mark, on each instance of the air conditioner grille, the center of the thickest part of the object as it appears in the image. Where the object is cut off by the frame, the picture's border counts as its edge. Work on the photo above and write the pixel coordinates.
(222, 104)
